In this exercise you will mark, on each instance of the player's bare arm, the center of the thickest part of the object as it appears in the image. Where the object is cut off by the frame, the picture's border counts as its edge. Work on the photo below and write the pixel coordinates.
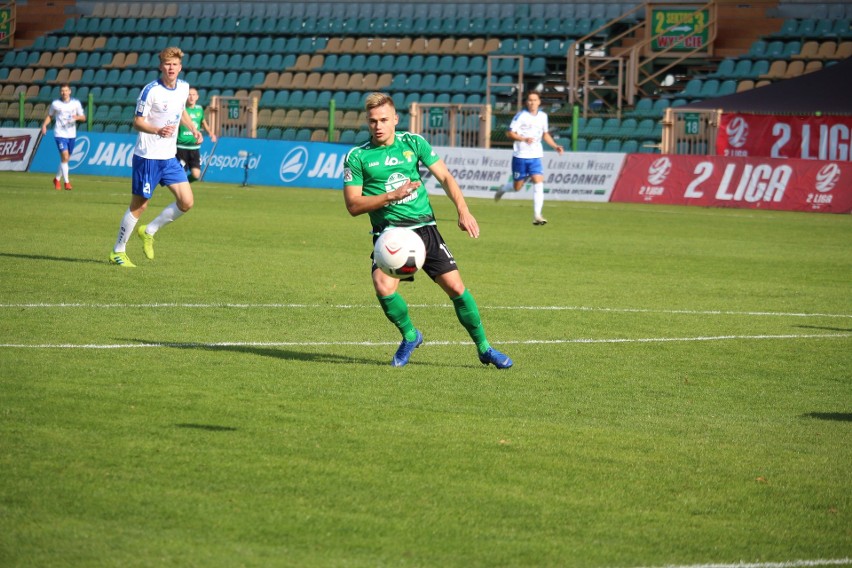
(357, 203)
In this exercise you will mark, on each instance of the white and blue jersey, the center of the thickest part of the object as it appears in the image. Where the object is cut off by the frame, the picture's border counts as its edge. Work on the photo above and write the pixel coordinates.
(63, 114)
(533, 126)
(160, 106)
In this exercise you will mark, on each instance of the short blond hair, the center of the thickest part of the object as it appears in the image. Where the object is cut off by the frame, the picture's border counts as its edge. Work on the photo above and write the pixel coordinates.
(171, 53)
(375, 100)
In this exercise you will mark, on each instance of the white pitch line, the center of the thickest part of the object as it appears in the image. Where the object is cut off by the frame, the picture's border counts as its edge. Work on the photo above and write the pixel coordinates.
(427, 343)
(782, 564)
(244, 306)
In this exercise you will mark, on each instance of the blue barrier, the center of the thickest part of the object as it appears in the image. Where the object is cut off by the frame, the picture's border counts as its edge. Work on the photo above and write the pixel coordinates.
(267, 162)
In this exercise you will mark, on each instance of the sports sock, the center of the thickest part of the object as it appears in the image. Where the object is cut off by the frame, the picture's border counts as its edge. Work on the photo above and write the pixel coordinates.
(396, 310)
(468, 314)
(128, 223)
(166, 216)
(63, 166)
(58, 171)
(538, 198)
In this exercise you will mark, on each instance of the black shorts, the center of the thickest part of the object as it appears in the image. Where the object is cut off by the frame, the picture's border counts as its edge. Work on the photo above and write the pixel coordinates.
(192, 158)
(439, 259)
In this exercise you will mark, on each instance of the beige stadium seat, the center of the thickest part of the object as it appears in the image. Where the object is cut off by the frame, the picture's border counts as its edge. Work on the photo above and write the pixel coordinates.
(812, 66)
(333, 45)
(808, 51)
(794, 69)
(14, 77)
(403, 46)
(312, 81)
(362, 45)
(117, 60)
(264, 117)
(420, 45)
(278, 118)
(341, 80)
(303, 62)
(370, 81)
(299, 79)
(74, 44)
(827, 50)
(285, 81)
(326, 82)
(384, 81)
(320, 119)
(844, 50)
(776, 70)
(745, 85)
(356, 82)
(306, 118)
(270, 80)
(347, 45)
(447, 46)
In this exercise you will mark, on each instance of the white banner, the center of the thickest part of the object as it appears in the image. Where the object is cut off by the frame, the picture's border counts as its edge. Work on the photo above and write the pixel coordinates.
(16, 148)
(573, 176)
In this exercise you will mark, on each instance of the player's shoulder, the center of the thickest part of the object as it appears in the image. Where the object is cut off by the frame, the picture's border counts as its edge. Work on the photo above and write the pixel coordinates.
(410, 138)
(151, 87)
(356, 151)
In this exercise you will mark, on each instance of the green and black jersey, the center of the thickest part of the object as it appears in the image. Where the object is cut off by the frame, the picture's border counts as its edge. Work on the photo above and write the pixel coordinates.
(186, 139)
(382, 169)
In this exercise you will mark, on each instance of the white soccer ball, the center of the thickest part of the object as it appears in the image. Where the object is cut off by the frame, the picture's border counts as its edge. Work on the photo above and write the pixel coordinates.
(399, 252)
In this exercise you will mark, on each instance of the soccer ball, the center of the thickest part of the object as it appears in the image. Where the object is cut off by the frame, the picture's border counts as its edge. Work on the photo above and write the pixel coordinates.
(399, 252)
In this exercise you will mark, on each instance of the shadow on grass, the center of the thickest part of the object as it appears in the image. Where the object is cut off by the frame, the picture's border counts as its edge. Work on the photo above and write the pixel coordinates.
(825, 328)
(836, 416)
(56, 258)
(208, 427)
(270, 352)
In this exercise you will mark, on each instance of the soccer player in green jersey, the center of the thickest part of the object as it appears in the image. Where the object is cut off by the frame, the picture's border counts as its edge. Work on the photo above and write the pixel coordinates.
(381, 178)
(188, 148)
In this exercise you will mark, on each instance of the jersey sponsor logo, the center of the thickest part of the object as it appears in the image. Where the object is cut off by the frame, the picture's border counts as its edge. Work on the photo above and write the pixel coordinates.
(391, 161)
(372, 164)
(293, 164)
(347, 175)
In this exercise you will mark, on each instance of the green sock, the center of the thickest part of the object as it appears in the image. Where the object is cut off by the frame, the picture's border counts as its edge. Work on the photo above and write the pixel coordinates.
(396, 310)
(468, 314)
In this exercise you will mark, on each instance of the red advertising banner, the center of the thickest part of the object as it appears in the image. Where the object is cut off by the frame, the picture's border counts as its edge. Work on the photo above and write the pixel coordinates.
(753, 183)
(802, 137)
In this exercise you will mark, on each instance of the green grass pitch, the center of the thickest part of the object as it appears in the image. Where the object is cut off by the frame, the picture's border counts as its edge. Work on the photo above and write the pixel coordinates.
(681, 395)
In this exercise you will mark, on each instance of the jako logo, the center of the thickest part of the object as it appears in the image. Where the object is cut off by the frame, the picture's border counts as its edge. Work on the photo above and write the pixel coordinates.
(659, 171)
(81, 150)
(827, 178)
(737, 132)
(293, 164)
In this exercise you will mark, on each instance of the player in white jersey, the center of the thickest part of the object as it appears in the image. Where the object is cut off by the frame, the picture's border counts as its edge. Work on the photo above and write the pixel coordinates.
(67, 112)
(528, 128)
(159, 110)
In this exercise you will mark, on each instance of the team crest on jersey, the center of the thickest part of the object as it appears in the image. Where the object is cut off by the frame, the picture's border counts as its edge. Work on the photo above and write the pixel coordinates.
(408, 154)
(395, 181)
